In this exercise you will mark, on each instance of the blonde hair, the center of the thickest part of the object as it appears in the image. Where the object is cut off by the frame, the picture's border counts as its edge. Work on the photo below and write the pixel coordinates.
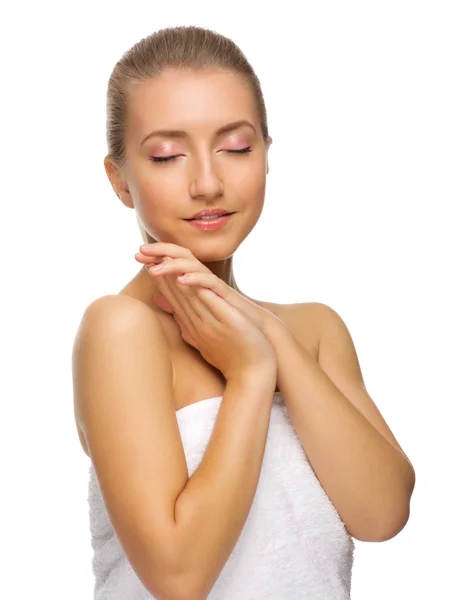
(185, 48)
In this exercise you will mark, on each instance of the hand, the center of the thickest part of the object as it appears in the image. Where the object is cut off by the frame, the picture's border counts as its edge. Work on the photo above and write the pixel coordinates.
(219, 331)
(198, 275)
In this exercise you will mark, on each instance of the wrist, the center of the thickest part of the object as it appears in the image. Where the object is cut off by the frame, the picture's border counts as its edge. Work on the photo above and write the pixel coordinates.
(263, 375)
(274, 328)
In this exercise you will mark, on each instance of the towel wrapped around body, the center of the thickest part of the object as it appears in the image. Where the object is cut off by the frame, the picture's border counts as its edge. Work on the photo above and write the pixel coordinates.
(293, 545)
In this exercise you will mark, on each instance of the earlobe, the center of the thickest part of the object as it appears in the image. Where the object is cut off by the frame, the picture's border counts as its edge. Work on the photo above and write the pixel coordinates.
(269, 142)
(125, 198)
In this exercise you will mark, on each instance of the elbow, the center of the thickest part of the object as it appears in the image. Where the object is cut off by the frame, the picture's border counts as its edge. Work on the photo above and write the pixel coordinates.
(397, 517)
(182, 583)
(385, 526)
(392, 529)
(192, 592)
(384, 531)
(178, 588)
(186, 578)
(192, 585)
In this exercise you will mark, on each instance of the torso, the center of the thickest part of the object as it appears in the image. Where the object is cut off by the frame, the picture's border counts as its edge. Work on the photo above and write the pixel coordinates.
(194, 378)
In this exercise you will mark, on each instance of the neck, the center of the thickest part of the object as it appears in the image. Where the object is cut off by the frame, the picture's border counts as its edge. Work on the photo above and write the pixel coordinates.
(223, 269)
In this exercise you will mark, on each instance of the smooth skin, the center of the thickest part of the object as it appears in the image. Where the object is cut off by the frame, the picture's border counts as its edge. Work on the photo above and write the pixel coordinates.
(174, 268)
(202, 316)
(203, 171)
(178, 531)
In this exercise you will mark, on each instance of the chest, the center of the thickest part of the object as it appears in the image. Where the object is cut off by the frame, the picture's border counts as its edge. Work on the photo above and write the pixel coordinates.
(194, 379)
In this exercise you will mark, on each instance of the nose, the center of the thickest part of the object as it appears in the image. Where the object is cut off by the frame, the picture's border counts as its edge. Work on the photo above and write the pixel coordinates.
(205, 180)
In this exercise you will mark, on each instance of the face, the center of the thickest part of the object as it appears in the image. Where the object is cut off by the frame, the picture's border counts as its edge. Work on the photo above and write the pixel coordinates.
(168, 178)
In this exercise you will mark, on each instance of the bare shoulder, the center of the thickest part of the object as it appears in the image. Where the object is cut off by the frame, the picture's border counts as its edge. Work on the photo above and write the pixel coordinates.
(110, 325)
(311, 321)
(114, 309)
(296, 310)
(112, 314)
(109, 318)
(302, 318)
(329, 324)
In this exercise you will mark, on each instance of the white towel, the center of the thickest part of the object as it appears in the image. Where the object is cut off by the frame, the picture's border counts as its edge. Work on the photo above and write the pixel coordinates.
(293, 545)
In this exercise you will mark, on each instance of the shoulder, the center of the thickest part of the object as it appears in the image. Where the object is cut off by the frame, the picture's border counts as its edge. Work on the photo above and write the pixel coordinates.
(116, 310)
(317, 312)
(120, 302)
(319, 321)
(329, 326)
(113, 318)
(114, 331)
(302, 319)
(325, 315)
(328, 318)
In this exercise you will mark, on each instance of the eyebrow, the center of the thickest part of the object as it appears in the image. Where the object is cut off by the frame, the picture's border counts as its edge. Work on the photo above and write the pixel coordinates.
(180, 133)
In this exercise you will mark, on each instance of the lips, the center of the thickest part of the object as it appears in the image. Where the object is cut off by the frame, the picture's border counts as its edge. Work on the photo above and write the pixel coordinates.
(209, 215)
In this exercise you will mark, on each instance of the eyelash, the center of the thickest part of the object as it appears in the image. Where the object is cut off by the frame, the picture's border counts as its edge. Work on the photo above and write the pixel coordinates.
(163, 159)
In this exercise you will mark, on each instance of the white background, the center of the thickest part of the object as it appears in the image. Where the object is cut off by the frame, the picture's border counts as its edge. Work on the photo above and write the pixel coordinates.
(371, 107)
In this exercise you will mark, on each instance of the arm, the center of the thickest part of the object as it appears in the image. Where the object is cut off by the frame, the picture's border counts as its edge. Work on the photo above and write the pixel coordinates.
(352, 451)
(212, 509)
(177, 532)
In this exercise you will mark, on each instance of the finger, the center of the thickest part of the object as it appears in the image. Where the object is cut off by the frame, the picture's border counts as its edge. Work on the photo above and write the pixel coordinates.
(163, 285)
(180, 295)
(177, 266)
(187, 302)
(165, 248)
(221, 310)
(147, 260)
(191, 314)
(211, 281)
(194, 301)
(212, 308)
(208, 280)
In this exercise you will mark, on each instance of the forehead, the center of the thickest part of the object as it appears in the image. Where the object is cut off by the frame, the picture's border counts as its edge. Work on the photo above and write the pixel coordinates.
(197, 101)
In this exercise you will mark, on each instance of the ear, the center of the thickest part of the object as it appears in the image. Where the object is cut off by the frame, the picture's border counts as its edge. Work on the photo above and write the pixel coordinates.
(269, 142)
(117, 181)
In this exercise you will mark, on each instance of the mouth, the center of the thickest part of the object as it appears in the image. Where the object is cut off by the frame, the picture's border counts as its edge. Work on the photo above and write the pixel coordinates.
(211, 224)
(207, 219)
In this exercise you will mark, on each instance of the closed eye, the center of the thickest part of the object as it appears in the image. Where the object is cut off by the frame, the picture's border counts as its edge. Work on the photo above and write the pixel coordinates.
(162, 159)
(241, 151)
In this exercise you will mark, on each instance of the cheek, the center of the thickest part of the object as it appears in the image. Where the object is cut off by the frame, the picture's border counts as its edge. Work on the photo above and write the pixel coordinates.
(157, 205)
(159, 197)
(253, 186)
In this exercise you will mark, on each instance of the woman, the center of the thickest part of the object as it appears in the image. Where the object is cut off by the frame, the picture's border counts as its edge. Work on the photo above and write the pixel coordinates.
(234, 449)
